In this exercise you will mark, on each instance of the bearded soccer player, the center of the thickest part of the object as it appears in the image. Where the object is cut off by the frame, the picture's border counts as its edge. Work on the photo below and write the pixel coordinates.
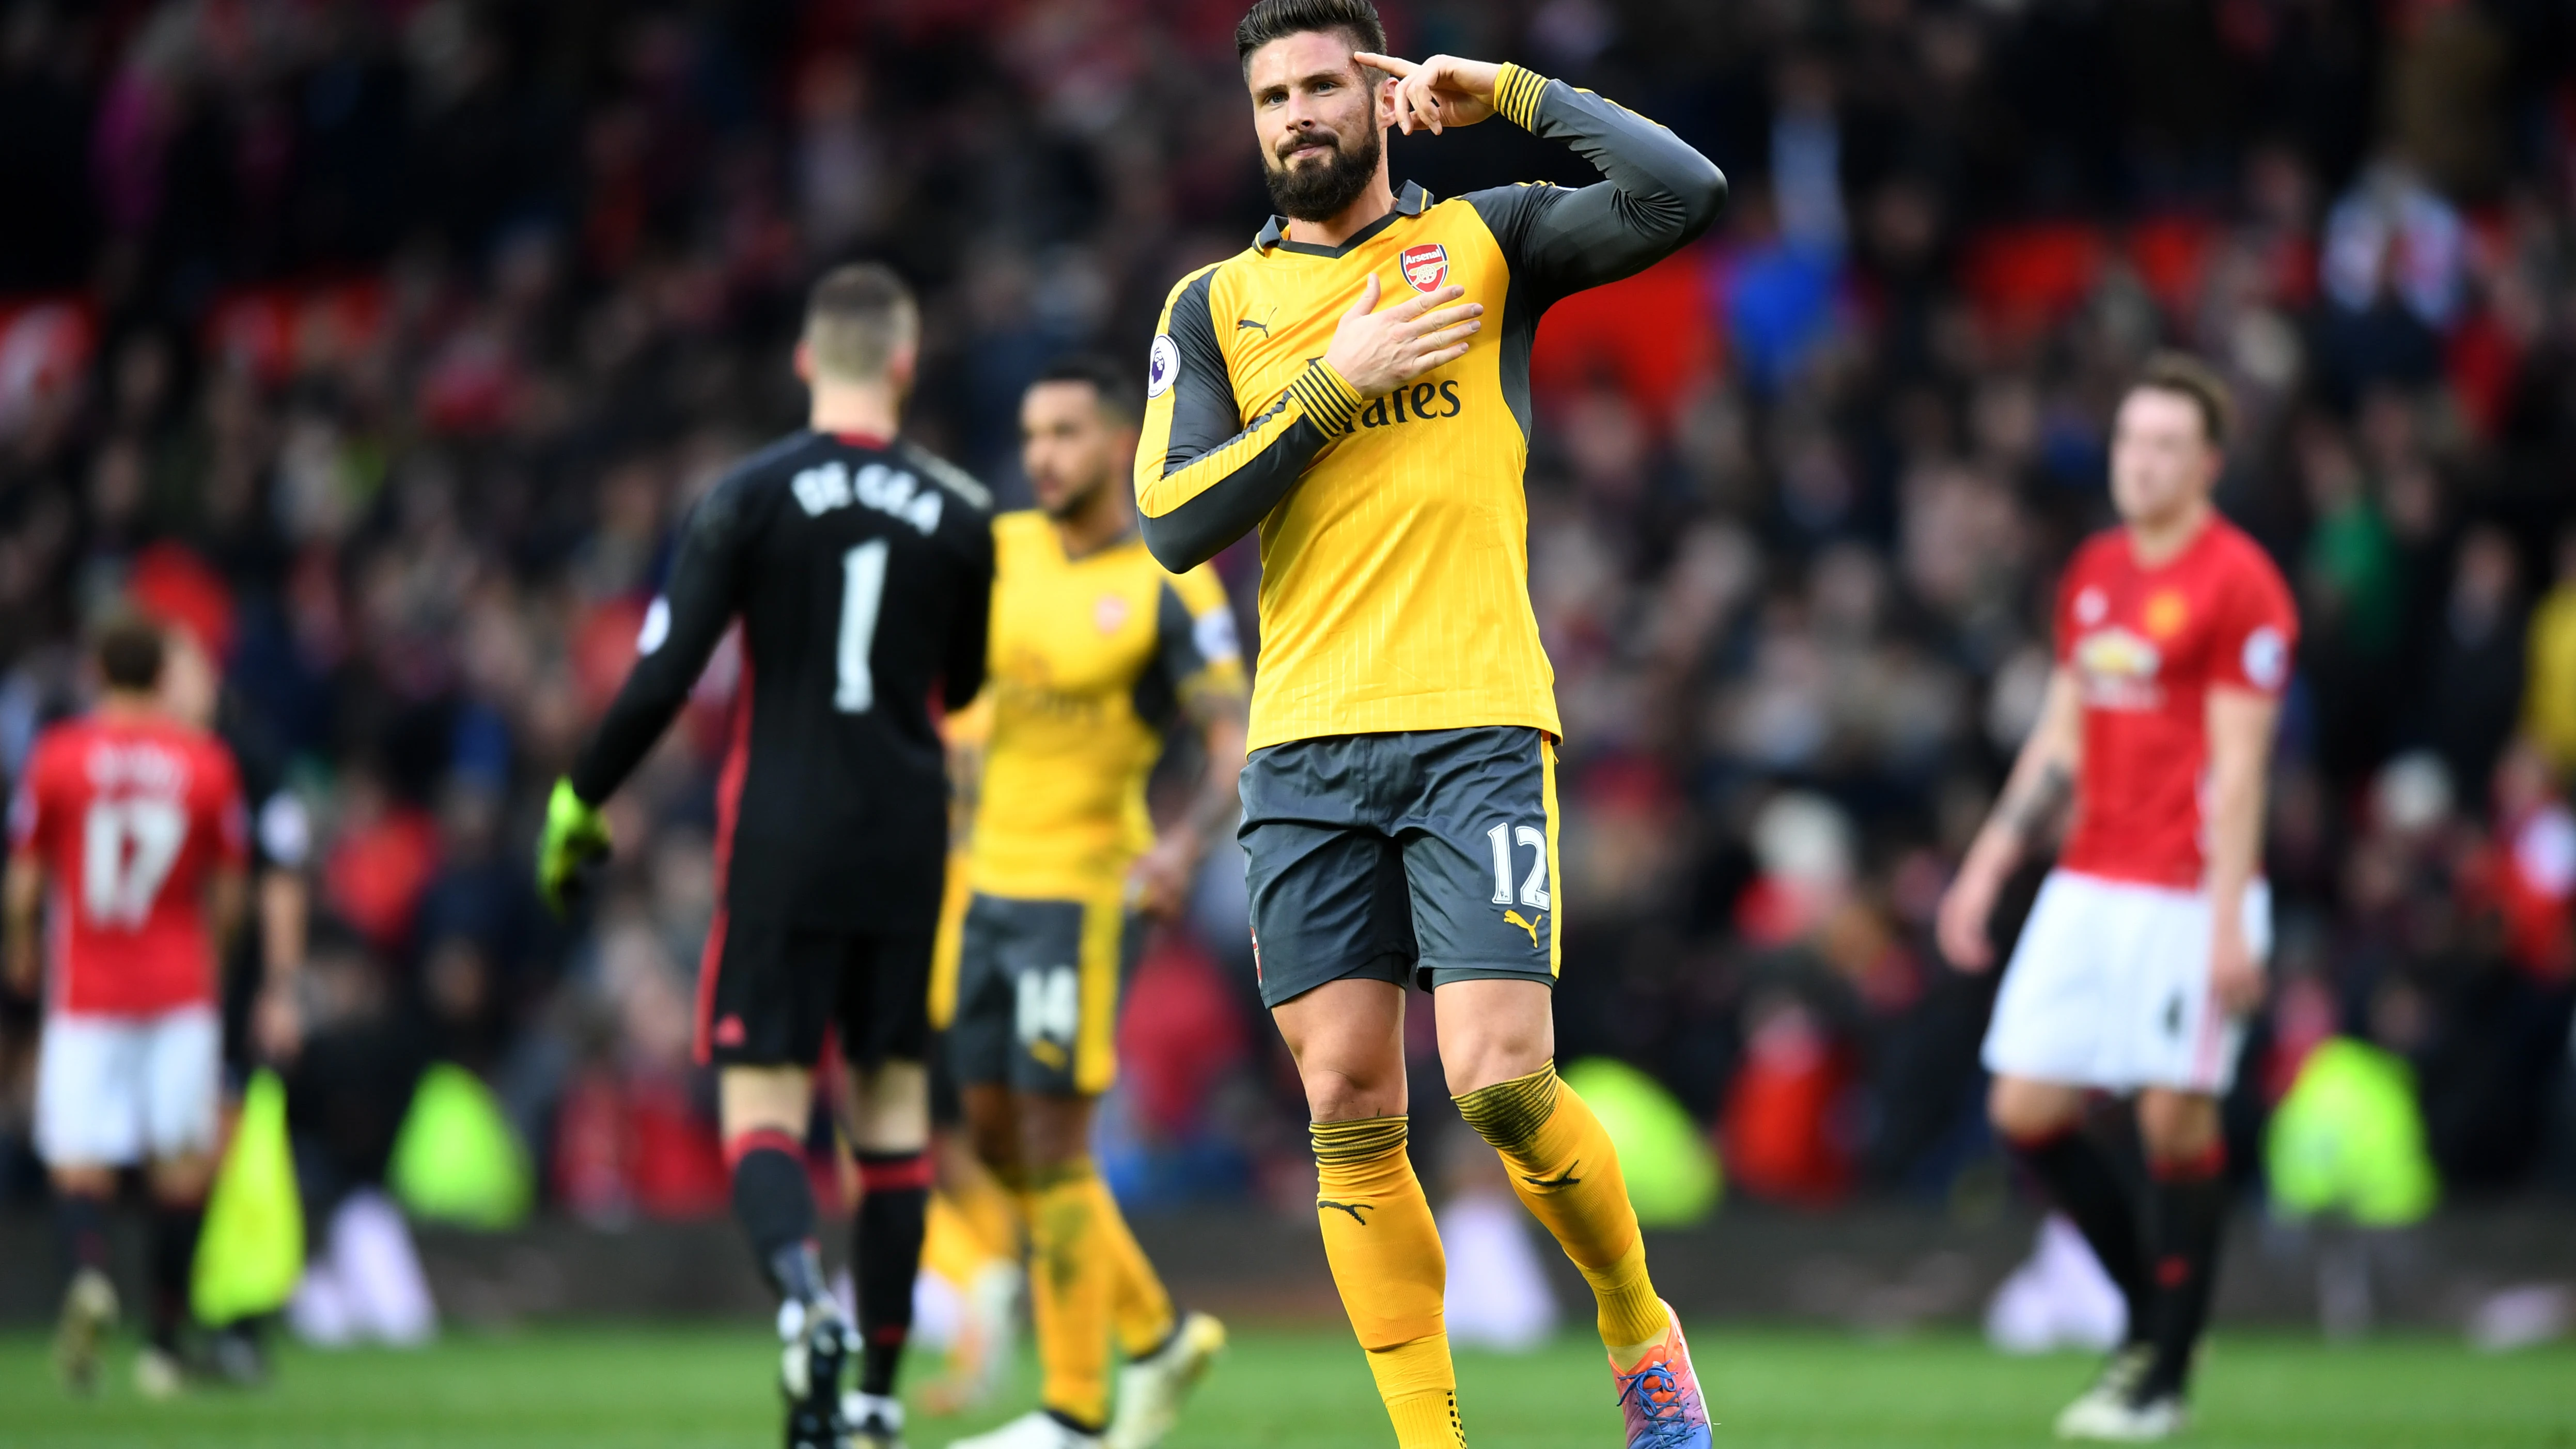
(1399, 803)
(861, 570)
(129, 835)
(2145, 950)
(1096, 653)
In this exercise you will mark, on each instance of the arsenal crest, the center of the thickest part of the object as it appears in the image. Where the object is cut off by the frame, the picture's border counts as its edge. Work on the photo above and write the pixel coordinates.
(1425, 267)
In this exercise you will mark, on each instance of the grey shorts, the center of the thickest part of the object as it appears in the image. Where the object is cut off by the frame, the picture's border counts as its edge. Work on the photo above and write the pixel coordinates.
(1427, 856)
(1037, 993)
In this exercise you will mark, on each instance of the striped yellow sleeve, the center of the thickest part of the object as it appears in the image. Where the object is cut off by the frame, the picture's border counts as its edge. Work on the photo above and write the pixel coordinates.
(1204, 477)
(1516, 95)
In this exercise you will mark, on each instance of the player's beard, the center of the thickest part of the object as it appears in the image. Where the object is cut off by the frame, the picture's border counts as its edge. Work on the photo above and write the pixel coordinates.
(1320, 193)
(1078, 502)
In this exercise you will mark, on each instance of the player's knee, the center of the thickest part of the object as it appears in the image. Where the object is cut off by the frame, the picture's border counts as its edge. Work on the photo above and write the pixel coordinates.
(763, 1099)
(1338, 1093)
(1055, 1132)
(993, 1129)
(1509, 1113)
(890, 1108)
(1495, 1063)
(2177, 1127)
(2024, 1112)
(82, 1180)
(183, 1180)
(1494, 1037)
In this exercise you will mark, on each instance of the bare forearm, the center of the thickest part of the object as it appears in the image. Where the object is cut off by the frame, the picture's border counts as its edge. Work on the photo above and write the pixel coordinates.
(2240, 754)
(2042, 780)
(281, 924)
(2235, 835)
(1220, 796)
(18, 924)
(2041, 784)
(227, 906)
(2039, 788)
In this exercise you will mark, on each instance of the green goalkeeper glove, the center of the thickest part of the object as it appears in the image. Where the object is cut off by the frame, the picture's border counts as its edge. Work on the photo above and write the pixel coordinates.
(575, 839)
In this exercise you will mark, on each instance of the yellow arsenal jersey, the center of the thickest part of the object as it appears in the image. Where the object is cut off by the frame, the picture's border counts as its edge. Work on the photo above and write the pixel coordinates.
(1394, 531)
(1091, 660)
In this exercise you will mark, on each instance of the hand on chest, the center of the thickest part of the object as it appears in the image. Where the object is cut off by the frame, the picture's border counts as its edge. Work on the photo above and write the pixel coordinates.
(1280, 316)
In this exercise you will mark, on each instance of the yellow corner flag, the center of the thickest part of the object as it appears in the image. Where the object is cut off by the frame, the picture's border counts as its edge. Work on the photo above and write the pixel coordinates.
(252, 1249)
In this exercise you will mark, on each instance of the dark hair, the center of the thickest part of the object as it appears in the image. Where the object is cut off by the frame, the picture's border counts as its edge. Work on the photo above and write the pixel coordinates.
(855, 319)
(129, 652)
(1270, 20)
(2182, 373)
(1117, 394)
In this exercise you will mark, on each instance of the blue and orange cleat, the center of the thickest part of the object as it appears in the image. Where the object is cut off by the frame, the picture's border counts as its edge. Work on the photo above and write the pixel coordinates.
(1661, 1397)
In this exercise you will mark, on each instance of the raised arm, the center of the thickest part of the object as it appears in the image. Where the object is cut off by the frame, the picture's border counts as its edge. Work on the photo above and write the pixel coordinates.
(1656, 193)
(2042, 781)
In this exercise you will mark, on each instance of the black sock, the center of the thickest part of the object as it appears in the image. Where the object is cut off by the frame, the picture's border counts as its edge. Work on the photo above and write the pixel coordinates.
(775, 1205)
(81, 1222)
(174, 1255)
(2190, 1216)
(885, 1251)
(2088, 1186)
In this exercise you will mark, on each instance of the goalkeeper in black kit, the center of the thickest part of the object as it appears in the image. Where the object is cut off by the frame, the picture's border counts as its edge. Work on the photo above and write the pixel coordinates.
(861, 569)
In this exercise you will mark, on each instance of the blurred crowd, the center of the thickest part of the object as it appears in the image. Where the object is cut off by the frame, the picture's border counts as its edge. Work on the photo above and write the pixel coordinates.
(392, 337)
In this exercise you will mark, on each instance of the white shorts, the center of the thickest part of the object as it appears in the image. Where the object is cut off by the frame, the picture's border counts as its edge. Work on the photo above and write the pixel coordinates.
(117, 1090)
(2109, 988)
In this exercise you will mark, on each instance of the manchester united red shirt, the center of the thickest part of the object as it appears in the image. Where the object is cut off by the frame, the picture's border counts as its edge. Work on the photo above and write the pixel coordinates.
(2146, 646)
(128, 818)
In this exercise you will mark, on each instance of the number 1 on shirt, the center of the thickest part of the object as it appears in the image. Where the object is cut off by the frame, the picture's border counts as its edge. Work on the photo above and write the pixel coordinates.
(863, 571)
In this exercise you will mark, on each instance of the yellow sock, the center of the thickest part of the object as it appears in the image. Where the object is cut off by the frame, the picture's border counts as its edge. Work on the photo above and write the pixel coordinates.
(1140, 1308)
(1069, 1290)
(1564, 1168)
(1420, 1388)
(1387, 1262)
(950, 1246)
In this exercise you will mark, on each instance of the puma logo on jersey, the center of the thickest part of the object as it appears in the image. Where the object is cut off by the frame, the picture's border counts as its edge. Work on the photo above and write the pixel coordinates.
(1353, 1208)
(1562, 1179)
(1515, 918)
(892, 491)
(1242, 322)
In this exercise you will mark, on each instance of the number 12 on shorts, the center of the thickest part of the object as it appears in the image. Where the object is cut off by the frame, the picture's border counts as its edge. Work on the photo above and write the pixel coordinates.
(1533, 891)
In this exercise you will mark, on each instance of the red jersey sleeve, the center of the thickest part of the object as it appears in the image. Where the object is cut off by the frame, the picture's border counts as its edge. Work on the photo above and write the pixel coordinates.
(2258, 629)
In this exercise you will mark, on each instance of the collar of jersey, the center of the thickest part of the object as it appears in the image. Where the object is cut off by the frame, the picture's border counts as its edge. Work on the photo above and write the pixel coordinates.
(1411, 201)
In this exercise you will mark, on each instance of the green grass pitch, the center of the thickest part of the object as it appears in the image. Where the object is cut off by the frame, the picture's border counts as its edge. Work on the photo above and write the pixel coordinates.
(667, 1387)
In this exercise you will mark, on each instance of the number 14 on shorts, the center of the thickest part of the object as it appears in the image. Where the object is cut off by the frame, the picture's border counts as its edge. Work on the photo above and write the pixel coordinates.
(1049, 1010)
